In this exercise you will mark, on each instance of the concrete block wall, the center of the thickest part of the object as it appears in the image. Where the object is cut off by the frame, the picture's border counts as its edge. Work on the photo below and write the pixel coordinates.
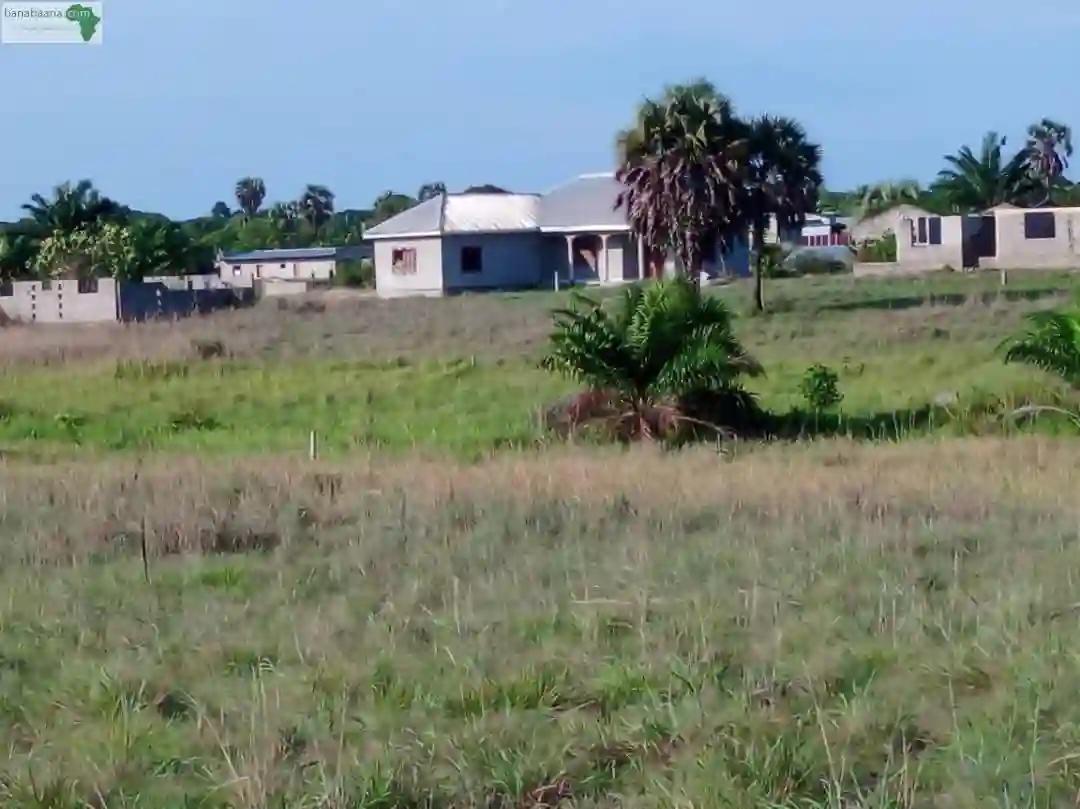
(59, 302)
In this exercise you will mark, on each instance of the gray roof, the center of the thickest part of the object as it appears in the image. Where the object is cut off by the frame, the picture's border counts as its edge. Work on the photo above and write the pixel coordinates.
(586, 202)
(295, 254)
(425, 218)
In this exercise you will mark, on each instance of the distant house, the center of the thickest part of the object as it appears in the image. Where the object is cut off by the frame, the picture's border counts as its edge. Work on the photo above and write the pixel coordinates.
(881, 224)
(825, 230)
(481, 241)
(1004, 237)
(300, 263)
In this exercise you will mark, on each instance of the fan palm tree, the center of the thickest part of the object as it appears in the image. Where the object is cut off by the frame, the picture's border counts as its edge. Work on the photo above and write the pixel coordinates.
(650, 362)
(250, 195)
(977, 182)
(316, 206)
(784, 182)
(429, 190)
(682, 168)
(71, 208)
(1047, 152)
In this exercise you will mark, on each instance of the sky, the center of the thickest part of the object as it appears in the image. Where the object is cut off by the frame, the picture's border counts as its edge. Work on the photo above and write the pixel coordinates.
(183, 97)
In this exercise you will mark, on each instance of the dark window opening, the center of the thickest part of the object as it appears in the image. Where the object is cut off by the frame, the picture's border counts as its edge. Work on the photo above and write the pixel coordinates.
(7, 289)
(927, 231)
(472, 259)
(1040, 225)
(403, 261)
(88, 285)
(934, 228)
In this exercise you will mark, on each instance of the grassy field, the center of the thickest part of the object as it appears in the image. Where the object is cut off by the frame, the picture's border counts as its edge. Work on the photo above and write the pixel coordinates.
(460, 375)
(194, 615)
(831, 625)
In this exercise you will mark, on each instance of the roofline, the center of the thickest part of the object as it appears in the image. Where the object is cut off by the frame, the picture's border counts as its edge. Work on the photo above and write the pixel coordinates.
(585, 229)
(425, 234)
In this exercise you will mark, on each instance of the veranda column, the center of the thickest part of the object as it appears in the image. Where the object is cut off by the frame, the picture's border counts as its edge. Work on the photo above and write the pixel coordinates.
(641, 269)
(607, 264)
(570, 256)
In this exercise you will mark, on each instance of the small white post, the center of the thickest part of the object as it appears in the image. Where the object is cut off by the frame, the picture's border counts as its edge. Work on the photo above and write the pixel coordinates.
(313, 446)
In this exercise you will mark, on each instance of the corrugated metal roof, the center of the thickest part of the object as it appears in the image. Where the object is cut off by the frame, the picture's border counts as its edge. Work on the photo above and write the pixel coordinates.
(296, 254)
(475, 213)
(586, 202)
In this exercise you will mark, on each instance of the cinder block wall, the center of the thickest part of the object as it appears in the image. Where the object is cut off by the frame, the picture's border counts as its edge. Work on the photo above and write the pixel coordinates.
(59, 302)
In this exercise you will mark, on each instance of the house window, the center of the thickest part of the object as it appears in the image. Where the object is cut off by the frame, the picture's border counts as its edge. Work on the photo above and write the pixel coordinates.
(236, 269)
(7, 289)
(1040, 225)
(403, 260)
(926, 231)
(281, 266)
(88, 284)
(472, 259)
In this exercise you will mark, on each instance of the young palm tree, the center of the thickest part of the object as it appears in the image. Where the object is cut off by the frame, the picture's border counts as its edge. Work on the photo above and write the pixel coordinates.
(250, 195)
(977, 182)
(1049, 147)
(783, 185)
(682, 167)
(651, 361)
(71, 208)
(316, 206)
(1050, 343)
(878, 198)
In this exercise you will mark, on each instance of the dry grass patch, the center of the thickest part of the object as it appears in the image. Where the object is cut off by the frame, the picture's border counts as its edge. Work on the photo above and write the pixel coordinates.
(824, 625)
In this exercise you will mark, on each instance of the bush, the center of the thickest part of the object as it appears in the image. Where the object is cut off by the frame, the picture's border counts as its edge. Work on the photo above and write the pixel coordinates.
(820, 388)
(881, 250)
(359, 274)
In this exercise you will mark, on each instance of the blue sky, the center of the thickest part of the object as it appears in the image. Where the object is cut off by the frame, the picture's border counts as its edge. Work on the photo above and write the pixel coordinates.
(185, 96)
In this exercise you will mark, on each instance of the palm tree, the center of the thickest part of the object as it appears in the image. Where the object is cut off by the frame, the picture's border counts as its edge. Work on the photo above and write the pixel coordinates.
(682, 168)
(429, 190)
(316, 206)
(388, 204)
(1047, 152)
(783, 185)
(881, 197)
(221, 210)
(72, 207)
(977, 182)
(655, 362)
(1050, 343)
(250, 195)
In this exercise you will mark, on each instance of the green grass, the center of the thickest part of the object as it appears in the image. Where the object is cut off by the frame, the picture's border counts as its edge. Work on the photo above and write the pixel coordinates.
(428, 379)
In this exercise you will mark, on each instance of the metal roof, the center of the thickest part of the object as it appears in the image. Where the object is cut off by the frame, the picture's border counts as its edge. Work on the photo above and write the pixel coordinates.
(295, 254)
(462, 213)
(585, 203)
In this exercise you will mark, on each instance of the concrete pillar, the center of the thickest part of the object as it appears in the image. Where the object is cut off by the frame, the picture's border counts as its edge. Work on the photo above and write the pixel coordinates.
(570, 256)
(641, 268)
(607, 256)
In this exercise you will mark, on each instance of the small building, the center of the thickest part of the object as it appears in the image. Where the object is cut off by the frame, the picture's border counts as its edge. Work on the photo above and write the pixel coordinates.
(287, 264)
(455, 243)
(1002, 238)
(824, 230)
(882, 224)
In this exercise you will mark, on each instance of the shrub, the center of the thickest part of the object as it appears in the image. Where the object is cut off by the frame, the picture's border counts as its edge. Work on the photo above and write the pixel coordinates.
(881, 250)
(820, 388)
(356, 274)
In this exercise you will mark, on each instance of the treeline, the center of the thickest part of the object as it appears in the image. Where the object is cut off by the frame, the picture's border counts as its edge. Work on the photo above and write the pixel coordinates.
(78, 231)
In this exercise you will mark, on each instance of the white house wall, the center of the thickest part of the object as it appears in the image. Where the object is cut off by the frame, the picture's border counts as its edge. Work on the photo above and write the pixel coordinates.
(1015, 252)
(428, 276)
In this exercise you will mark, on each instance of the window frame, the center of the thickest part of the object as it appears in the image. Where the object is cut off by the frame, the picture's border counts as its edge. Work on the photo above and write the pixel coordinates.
(470, 267)
(1032, 217)
(403, 261)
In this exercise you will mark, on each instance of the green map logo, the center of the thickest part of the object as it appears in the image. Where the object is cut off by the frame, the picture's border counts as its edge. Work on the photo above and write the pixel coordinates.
(85, 18)
(49, 21)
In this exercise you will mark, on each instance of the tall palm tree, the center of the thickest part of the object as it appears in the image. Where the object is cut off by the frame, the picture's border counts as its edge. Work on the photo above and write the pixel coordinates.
(250, 195)
(977, 182)
(1047, 152)
(72, 207)
(682, 167)
(881, 197)
(388, 204)
(429, 190)
(784, 183)
(316, 206)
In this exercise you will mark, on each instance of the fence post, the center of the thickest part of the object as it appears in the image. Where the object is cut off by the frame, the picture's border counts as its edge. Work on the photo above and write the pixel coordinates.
(313, 446)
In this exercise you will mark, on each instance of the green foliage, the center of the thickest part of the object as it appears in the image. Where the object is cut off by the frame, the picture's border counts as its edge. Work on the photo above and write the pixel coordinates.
(820, 388)
(1051, 343)
(661, 345)
(878, 250)
(977, 182)
(360, 274)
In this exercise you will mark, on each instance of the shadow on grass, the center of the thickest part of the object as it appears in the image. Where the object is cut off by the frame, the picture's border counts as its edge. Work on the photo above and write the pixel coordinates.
(942, 299)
